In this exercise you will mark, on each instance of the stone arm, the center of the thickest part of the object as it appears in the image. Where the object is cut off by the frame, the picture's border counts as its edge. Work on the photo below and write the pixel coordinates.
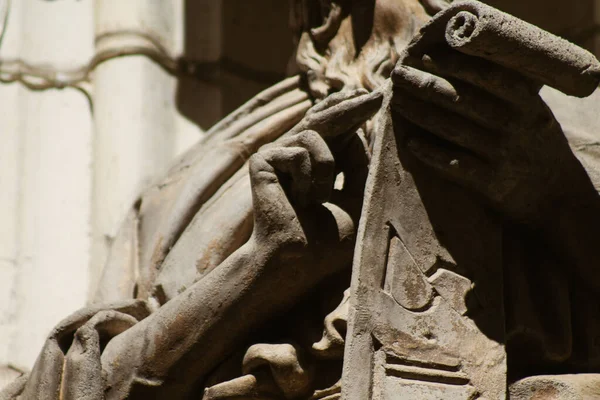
(296, 242)
(298, 239)
(185, 339)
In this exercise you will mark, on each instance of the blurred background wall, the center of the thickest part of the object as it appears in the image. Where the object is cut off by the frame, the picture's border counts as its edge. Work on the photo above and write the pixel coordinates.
(97, 97)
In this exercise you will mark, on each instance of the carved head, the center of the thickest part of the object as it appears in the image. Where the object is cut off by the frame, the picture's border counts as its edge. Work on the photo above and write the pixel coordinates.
(347, 44)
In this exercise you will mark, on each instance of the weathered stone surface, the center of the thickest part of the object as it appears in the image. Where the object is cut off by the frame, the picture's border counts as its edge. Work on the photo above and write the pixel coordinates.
(415, 230)
(485, 32)
(561, 387)
(451, 188)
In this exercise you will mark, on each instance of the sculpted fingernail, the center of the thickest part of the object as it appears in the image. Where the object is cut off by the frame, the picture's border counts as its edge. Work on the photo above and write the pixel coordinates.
(428, 62)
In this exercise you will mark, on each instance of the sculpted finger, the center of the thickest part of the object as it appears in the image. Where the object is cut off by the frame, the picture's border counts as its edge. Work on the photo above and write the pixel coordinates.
(83, 379)
(342, 117)
(322, 164)
(493, 78)
(45, 378)
(453, 164)
(464, 99)
(272, 208)
(335, 99)
(64, 330)
(14, 390)
(294, 162)
(447, 125)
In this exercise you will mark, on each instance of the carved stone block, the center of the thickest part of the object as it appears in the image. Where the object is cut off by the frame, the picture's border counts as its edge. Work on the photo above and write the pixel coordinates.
(426, 311)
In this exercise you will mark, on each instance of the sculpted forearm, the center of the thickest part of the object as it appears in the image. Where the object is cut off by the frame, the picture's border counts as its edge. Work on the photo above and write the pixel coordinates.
(186, 338)
(180, 339)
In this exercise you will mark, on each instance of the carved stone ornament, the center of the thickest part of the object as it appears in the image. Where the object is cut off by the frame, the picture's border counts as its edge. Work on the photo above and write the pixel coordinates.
(414, 216)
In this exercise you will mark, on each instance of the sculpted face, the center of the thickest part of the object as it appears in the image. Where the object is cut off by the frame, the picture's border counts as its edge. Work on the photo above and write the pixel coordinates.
(350, 44)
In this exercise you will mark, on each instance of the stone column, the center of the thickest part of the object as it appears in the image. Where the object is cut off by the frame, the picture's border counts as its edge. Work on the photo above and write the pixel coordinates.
(138, 129)
(45, 171)
(72, 160)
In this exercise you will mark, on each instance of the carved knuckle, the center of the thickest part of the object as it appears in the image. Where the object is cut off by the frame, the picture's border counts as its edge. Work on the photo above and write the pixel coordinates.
(291, 242)
(258, 163)
(299, 155)
(309, 138)
(429, 83)
(85, 333)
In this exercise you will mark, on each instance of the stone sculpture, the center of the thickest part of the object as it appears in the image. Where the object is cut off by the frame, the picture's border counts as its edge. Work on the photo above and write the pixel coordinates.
(450, 192)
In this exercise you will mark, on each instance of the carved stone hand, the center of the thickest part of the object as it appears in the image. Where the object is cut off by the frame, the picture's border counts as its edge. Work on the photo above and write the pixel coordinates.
(117, 352)
(293, 177)
(296, 242)
(486, 128)
(69, 365)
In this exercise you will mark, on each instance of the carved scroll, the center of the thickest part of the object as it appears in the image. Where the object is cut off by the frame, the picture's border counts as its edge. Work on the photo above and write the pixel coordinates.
(479, 30)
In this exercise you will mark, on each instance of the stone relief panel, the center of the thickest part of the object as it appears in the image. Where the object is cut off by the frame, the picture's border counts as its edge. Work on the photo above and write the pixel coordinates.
(423, 325)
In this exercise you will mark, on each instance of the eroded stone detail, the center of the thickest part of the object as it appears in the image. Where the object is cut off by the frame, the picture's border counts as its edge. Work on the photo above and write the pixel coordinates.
(468, 221)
